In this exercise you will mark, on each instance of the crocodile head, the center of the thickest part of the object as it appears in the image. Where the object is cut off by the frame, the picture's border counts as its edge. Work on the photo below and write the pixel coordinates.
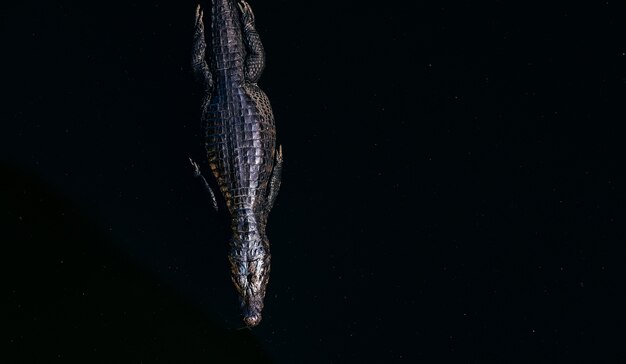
(250, 267)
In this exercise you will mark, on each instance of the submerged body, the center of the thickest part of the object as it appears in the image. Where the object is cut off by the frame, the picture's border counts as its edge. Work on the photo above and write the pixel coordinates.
(240, 141)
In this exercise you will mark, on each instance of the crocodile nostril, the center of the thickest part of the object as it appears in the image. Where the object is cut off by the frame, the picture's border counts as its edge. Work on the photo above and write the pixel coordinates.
(252, 320)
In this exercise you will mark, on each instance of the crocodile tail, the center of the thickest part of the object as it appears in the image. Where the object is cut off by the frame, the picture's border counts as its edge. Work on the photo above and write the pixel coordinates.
(226, 35)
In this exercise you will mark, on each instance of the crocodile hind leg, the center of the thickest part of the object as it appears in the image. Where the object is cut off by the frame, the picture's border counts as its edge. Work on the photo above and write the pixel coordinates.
(275, 179)
(199, 64)
(255, 57)
(197, 173)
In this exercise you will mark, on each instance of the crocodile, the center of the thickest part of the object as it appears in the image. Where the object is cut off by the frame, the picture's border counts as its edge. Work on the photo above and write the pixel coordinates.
(240, 141)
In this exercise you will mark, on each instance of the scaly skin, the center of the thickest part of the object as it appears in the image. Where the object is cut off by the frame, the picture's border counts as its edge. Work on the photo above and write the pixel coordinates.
(240, 142)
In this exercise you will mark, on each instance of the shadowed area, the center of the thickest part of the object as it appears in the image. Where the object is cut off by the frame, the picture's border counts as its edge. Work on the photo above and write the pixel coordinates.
(70, 296)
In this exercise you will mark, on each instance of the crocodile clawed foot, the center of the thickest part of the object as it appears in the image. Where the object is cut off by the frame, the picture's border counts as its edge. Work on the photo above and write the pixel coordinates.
(198, 14)
(279, 155)
(196, 168)
(246, 13)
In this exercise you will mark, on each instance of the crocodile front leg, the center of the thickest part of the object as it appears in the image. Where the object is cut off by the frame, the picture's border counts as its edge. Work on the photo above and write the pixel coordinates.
(197, 173)
(274, 184)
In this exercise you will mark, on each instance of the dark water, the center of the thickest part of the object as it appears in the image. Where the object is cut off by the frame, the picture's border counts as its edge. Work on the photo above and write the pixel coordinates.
(452, 188)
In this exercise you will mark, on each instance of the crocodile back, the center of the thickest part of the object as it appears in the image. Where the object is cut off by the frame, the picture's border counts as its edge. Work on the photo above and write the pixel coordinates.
(240, 133)
(240, 141)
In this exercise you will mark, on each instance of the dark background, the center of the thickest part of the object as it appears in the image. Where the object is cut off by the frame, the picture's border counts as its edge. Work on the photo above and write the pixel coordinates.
(452, 190)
